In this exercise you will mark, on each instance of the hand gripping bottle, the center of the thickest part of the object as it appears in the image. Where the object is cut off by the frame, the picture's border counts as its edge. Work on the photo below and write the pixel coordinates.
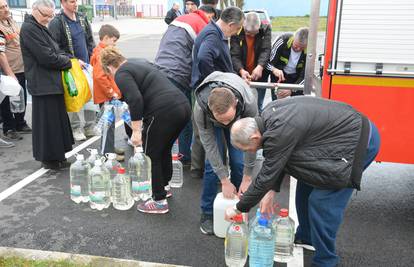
(235, 244)
(140, 173)
(121, 191)
(79, 173)
(99, 187)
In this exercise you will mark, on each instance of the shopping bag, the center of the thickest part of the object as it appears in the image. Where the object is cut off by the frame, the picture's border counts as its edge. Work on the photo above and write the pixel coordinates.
(88, 71)
(9, 86)
(17, 104)
(75, 102)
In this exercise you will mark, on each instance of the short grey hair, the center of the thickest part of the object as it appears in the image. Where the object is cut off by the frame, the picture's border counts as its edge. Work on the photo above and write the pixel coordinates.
(301, 35)
(43, 3)
(242, 130)
(252, 22)
(232, 15)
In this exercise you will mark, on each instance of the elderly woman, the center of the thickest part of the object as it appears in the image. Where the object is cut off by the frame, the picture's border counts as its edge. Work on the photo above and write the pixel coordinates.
(43, 63)
(158, 110)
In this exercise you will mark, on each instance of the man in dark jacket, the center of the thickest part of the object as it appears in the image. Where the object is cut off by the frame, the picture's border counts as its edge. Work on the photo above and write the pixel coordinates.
(324, 144)
(173, 13)
(73, 33)
(43, 64)
(250, 51)
(288, 60)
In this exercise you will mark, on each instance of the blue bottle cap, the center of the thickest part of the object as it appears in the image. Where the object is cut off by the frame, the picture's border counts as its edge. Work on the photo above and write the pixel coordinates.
(263, 221)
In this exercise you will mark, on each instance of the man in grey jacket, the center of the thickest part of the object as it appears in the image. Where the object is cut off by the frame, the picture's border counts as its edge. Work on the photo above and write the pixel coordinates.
(221, 99)
(325, 145)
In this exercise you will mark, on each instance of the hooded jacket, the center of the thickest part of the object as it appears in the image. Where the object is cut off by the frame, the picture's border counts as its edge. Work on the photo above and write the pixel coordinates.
(321, 142)
(246, 107)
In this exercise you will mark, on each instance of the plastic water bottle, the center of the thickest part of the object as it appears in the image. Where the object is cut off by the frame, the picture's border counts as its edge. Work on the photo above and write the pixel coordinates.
(175, 148)
(70, 82)
(140, 173)
(121, 191)
(99, 187)
(261, 244)
(235, 245)
(107, 118)
(125, 115)
(112, 165)
(255, 220)
(93, 156)
(177, 173)
(79, 173)
(220, 206)
(285, 236)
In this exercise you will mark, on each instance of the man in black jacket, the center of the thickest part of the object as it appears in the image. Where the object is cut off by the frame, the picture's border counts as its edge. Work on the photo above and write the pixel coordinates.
(324, 144)
(173, 13)
(250, 51)
(73, 33)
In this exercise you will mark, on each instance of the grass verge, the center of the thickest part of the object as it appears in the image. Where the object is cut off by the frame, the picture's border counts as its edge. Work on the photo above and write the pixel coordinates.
(291, 24)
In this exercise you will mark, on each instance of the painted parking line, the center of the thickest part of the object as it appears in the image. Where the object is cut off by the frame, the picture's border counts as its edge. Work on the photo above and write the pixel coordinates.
(22, 183)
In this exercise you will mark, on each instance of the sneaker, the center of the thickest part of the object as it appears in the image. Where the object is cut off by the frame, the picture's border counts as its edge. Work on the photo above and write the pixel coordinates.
(91, 132)
(120, 158)
(206, 224)
(304, 244)
(168, 190)
(119, 151)
(24, 130)
(78, 135)
(12, 135)
(154, 207)
(5, 144)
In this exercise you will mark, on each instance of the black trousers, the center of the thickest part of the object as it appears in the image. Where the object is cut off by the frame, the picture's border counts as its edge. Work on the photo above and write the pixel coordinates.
(158, 135)
(14, 121)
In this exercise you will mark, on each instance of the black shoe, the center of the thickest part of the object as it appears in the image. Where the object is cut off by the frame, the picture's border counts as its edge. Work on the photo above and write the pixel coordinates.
(196, 174)
(55, 165)
(304, 244)
(206, 224)
(24, 130)
(12, 135)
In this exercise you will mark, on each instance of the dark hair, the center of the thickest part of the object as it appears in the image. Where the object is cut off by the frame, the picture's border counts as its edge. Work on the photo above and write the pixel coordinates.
(108, 30)
(209, 2)
(232, 15)
(208, 9)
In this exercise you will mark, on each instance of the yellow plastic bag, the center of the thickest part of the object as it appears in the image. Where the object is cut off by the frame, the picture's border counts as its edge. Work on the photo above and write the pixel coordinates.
(76, 103)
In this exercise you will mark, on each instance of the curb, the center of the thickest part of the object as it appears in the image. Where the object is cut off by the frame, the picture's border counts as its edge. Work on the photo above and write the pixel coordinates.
(31, 254)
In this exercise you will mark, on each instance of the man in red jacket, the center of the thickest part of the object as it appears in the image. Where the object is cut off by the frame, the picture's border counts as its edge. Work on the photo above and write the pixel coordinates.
(174, 58)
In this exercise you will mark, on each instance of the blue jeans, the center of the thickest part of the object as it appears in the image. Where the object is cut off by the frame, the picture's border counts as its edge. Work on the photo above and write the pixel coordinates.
(320, 212)
(186, 135)
(210, 178)
(260, 98)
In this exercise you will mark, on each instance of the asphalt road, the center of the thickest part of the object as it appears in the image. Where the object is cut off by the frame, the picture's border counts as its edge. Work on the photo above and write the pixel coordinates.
(378, 228)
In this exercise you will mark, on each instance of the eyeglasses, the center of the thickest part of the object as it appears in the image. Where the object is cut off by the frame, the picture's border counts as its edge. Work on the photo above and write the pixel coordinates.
(46, 15)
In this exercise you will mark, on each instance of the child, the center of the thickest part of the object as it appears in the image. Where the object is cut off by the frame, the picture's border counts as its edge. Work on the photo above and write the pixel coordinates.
(104, 87)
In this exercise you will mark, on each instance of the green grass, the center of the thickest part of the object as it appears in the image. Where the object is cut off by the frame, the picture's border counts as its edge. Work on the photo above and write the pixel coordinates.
(19, 262)
(291, 24)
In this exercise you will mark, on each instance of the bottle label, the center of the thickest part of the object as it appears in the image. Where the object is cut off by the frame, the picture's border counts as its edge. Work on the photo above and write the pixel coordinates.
(140, 186)
(75, 190)
(97, 196)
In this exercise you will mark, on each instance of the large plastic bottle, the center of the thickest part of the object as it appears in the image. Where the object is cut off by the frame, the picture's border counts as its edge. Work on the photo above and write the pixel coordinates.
(177, 173)
(139, 167)
(235, 244)
(79, 173)
(285, 235)
(220, 206)
(125, 115)
(70, 82)
(121, 191)
(93, 156)
(99, 187)
(261, 244)
(112, 165)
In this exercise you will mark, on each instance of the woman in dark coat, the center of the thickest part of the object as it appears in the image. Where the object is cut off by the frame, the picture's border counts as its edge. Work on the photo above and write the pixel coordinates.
(43, 63)
(159, 111)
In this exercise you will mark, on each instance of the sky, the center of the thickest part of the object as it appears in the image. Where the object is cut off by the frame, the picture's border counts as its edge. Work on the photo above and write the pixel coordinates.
(286, 8)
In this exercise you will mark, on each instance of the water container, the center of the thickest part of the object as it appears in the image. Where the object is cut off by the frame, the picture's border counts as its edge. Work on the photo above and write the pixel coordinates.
(93, 156)
(220, 205)
(284, 228)
(106, 119)
(177, 173)
(79, 173)
(235, 245)
(261, 244)
(112, 165)
(175, 148)
(121, 191)
(125, 115)
(139, 167)
(99, 187)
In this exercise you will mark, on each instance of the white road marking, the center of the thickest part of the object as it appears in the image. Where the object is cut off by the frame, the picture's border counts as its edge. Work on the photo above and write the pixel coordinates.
(22, 183)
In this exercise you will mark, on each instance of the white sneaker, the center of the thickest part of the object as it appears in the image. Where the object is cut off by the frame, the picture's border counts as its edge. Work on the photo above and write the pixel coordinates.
(78, 135)
(90, 132)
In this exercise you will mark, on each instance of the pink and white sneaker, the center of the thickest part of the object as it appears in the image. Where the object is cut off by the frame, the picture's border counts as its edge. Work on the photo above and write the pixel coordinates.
(154, 207)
